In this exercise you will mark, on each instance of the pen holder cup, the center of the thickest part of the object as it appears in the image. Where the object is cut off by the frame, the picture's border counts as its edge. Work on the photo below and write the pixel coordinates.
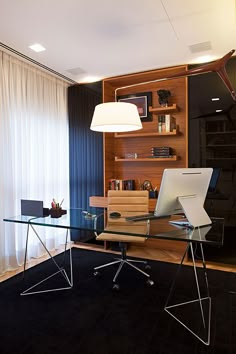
(57, 213)
(153, 194)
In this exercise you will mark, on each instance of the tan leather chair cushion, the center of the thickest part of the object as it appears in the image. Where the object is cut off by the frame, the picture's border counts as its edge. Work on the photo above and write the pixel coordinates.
(127, 203)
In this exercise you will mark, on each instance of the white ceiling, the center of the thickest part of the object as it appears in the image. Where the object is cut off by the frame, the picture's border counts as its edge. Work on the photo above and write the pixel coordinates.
(103, 38)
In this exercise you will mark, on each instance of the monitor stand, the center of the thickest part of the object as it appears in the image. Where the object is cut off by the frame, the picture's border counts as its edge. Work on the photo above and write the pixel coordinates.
(194, 211)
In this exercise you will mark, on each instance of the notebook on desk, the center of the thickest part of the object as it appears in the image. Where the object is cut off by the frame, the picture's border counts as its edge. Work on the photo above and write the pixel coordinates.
(181, 222)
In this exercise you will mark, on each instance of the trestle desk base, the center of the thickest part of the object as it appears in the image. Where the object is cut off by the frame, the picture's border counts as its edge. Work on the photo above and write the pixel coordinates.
(206, 319)
(59, 270)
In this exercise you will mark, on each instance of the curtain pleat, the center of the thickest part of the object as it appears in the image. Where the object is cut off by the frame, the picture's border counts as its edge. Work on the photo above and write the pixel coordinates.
(86, 150)
(34, 151)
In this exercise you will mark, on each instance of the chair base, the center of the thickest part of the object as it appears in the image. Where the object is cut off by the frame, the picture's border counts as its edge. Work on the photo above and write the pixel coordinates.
(121, 261)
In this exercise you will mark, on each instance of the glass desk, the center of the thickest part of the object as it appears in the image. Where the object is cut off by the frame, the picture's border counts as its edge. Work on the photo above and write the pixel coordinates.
(77, 219)
(74, 219)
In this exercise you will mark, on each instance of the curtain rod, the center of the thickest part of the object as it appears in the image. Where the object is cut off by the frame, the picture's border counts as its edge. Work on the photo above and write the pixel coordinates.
(36, 62)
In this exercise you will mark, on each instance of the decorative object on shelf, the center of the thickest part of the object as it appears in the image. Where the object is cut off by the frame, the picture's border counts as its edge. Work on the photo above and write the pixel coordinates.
(163, 97)
(142, 101)
(147, 185)
(130, 155)
(115, 117)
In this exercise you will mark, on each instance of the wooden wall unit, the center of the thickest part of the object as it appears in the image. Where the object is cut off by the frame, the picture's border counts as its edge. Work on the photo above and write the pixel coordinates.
(116, 146)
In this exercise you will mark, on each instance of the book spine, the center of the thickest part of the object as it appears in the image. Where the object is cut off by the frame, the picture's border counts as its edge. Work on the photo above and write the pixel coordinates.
(120, 184)
(167, 119)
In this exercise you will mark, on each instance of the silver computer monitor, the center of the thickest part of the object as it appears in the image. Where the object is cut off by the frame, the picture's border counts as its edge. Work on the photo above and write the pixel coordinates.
(183, 190)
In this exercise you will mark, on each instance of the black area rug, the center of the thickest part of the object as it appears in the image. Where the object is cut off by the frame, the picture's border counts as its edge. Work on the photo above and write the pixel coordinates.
(93, 319)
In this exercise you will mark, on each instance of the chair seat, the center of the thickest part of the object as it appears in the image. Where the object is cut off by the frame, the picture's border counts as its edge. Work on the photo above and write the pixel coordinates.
(141, 229)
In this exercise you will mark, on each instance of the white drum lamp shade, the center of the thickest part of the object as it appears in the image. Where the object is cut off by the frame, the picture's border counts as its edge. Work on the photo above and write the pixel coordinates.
(116, 117)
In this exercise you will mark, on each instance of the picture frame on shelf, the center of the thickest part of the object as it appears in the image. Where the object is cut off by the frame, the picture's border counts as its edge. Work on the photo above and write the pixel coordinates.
(143, 100)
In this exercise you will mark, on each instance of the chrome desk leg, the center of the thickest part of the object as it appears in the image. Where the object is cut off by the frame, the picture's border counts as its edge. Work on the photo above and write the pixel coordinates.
(26, 248)
(207, 326)
(68, 279)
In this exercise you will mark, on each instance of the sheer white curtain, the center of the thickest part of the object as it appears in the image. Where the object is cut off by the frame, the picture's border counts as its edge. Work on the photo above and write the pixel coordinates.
(34, 151)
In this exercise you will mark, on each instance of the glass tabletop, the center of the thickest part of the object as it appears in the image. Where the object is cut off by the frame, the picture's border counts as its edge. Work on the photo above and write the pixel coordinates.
(78, 219)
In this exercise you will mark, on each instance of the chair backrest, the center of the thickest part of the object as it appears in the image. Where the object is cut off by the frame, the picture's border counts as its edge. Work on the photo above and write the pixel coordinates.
(127, 203)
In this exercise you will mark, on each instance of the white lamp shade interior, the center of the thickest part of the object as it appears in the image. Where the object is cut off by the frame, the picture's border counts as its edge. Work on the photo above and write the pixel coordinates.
(116, 117)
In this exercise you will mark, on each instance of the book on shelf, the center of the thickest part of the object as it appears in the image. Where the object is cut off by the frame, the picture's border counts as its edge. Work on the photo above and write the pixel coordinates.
(161, 151)
(121, 184)
(166, 123)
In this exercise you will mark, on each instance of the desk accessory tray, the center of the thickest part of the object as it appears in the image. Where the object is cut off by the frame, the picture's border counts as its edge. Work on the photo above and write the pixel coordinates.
(57, 213)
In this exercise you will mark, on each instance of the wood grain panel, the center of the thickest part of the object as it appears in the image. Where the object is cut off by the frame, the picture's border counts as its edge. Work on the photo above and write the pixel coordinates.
(141, 145)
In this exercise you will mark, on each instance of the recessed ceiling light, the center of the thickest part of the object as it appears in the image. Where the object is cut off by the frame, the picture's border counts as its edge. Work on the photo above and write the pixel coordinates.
(37, 47)
(203, 59)
(215, 99)
(90, 79)
(218, 110)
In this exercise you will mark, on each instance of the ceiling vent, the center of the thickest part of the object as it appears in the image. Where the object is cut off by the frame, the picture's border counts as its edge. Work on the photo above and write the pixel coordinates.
(200, 47)
(76, 71)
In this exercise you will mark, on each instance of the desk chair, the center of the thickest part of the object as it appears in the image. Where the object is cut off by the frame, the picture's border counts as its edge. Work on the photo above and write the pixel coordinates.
(126, 203)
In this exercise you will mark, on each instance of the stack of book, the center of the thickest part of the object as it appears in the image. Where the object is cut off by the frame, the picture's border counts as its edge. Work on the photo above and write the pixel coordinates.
(166, 123)
(121, 184)
(161, 151)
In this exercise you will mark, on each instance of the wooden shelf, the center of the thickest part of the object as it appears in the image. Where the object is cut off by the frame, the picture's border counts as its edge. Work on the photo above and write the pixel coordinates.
(157, 110)
(147, 159)
(138, 135)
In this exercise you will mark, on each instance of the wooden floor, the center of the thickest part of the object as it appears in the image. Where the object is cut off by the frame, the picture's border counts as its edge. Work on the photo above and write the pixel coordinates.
(155, 254)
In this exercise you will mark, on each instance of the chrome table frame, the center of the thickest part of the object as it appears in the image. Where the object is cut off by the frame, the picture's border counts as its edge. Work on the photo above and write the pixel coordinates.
(200, 236)
(73, 219)
(60, 270)
(205, 322)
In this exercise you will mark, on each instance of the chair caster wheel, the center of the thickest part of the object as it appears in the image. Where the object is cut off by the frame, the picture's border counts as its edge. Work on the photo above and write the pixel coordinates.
(148, 267)
(116, 287)
(97, 274)
(150, 282)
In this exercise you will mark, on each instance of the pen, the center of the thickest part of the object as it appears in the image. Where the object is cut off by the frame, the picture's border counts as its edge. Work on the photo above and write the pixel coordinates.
(62, 202)
(53, 203)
